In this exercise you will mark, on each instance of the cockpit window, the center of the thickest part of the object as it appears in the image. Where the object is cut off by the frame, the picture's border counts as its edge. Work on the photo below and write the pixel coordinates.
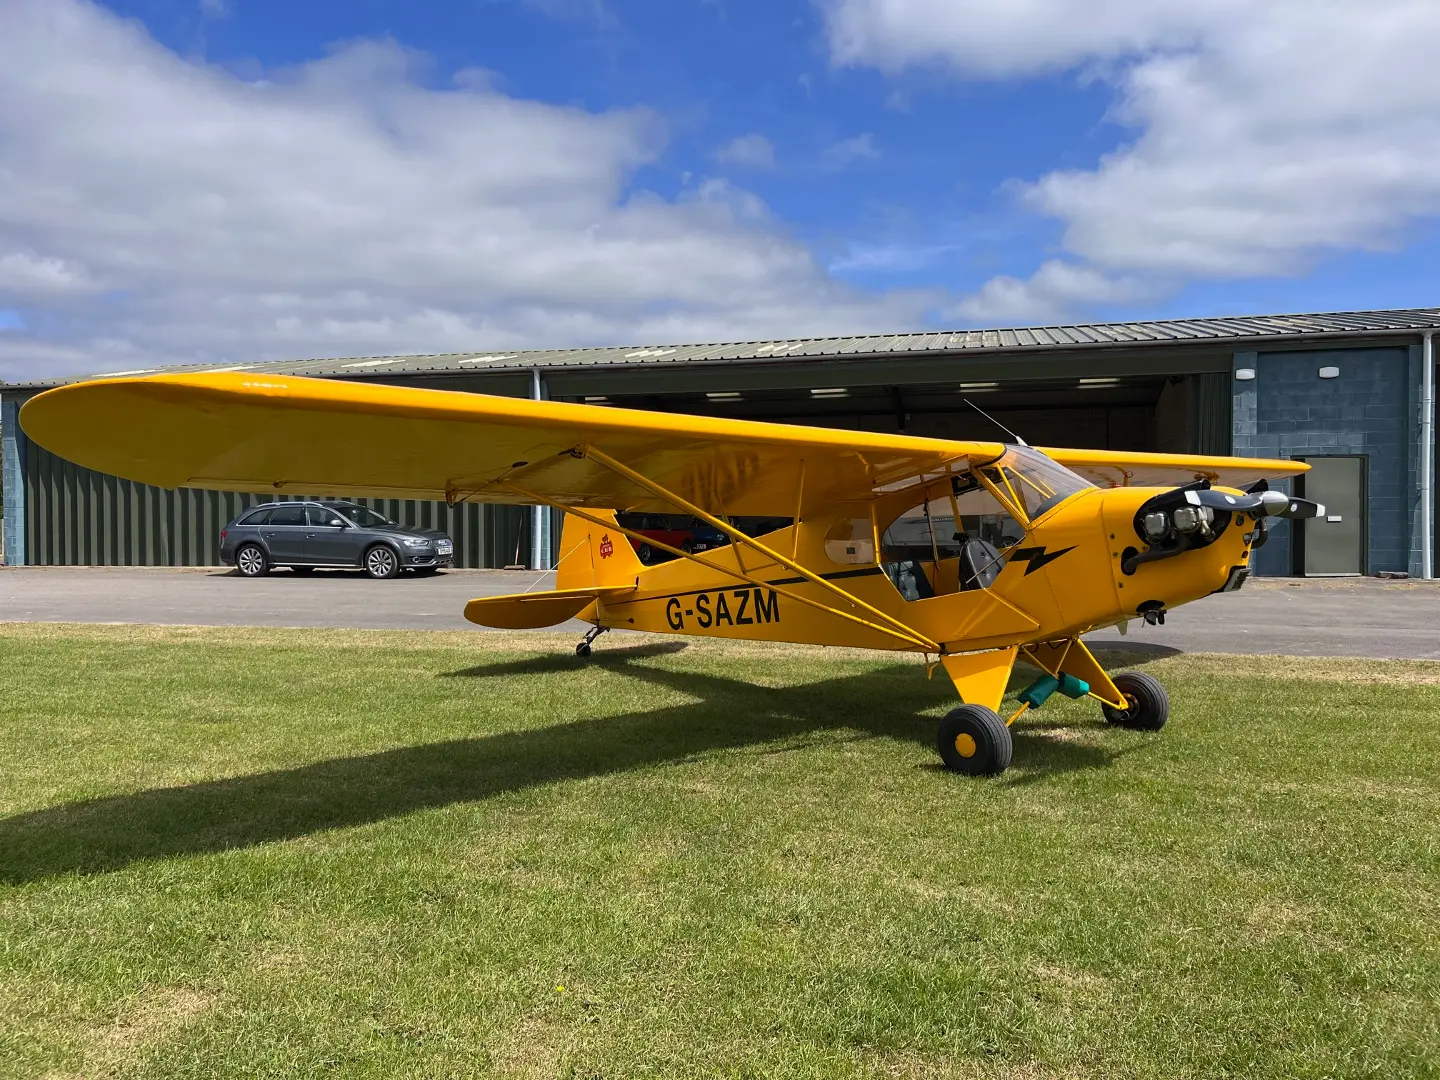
(1033, 482)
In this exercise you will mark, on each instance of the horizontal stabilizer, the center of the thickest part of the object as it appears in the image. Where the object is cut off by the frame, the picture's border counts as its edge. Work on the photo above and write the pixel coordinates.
(531, 611)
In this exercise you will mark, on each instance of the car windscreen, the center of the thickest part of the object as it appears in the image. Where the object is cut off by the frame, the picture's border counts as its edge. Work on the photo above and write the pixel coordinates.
(364, 516)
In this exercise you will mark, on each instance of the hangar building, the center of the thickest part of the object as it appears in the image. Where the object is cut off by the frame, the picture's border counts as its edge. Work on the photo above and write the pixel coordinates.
(1352, 393)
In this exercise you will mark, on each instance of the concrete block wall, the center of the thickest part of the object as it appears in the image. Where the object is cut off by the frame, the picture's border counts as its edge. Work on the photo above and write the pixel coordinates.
(1288, 411)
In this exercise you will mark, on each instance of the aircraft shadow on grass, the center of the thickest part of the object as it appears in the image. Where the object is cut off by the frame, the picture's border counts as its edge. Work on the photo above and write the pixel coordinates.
(101, 835)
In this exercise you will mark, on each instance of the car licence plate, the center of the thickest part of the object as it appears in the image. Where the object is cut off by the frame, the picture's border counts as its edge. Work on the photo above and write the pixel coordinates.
(445, 547)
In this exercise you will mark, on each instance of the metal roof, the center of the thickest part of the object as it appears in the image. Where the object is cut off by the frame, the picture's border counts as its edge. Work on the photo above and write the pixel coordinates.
(1253, 329)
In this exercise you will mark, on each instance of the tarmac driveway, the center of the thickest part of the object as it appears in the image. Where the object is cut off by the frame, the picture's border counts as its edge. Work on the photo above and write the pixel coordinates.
(1332, 617)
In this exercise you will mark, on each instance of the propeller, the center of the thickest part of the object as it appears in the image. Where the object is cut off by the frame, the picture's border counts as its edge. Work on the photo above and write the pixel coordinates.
(1264, 503)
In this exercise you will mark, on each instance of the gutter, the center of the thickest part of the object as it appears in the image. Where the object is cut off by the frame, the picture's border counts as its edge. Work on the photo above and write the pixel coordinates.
(540, 515)
(1427, 457)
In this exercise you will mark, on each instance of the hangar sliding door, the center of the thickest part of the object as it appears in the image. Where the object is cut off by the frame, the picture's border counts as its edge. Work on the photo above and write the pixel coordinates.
(1333, 544)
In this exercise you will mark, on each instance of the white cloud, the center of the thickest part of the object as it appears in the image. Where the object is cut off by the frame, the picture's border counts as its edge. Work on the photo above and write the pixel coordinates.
(343, 207)
(747, 152)
(25, 274)
(1054, 291)
(857, 148)
(1267, 135)
(215, 9)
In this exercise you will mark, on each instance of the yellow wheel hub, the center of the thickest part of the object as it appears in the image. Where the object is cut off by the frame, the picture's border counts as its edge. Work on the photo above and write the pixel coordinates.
(965, 745)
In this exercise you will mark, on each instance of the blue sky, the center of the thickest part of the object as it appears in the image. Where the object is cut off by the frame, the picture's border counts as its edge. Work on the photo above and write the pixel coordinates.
(728, 169)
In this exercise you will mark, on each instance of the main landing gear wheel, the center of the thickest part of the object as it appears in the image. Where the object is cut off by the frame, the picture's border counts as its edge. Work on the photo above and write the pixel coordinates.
(251, 561)
(974, 741)
(1149, 703)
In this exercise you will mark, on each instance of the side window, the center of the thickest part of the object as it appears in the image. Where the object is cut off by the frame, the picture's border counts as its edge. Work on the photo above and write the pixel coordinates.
(288, 515)
(259, 517)
(944, 525)
(319, 515)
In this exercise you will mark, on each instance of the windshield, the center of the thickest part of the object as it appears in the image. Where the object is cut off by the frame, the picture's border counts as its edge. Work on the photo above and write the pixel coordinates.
(1032, 481)
(365, 518)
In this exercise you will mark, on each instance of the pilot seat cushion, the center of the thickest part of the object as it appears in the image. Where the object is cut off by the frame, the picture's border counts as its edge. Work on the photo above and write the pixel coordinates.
(980, 564)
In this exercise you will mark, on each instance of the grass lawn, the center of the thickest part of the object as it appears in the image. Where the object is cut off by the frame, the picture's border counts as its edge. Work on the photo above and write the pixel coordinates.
(305, 853)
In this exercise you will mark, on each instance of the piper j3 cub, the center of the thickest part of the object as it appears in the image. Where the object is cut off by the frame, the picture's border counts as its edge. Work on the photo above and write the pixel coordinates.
(974, 554)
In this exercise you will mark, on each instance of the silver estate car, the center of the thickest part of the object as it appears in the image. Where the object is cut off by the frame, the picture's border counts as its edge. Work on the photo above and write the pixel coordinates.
(307, 535)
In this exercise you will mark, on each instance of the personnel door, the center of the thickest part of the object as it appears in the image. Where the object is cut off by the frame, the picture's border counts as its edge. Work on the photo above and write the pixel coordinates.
(1333, 544)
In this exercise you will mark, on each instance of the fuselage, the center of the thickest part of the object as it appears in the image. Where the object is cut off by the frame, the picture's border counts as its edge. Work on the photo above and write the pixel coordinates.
(1071, 571)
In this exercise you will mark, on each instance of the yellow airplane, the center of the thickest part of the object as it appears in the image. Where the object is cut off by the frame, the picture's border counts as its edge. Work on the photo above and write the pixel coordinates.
(974, 554)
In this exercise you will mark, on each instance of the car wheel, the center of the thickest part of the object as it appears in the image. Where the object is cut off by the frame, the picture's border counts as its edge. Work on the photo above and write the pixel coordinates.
(645, 553)
(381, 562)
(250, 560)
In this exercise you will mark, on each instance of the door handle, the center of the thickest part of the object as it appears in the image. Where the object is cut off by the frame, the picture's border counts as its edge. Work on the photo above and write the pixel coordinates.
(1333, 518)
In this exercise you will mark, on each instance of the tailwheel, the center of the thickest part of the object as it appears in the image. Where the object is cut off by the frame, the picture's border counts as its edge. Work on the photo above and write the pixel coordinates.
(583, 649)
(1148, 701)
(973, 740)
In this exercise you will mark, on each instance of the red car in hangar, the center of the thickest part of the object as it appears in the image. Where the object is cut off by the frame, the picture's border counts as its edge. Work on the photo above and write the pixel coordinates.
(675, 530)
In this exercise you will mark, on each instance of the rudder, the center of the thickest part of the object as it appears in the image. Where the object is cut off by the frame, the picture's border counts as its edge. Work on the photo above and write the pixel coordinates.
(592, 555)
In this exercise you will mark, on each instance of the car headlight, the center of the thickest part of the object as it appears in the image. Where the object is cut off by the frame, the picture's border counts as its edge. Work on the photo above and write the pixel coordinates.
(414, 542)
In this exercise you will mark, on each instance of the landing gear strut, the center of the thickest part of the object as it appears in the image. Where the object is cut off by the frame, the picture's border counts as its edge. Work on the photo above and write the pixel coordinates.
(583, 649)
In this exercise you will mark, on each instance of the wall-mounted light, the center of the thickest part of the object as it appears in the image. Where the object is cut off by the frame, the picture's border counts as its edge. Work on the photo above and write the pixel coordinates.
(1245, 374)
(1329, 373)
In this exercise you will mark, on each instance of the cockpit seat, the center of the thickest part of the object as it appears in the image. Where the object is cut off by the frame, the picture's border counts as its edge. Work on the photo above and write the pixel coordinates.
(980, 564)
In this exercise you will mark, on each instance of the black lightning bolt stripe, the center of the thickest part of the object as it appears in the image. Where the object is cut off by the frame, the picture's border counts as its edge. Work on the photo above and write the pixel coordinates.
(1036, 557)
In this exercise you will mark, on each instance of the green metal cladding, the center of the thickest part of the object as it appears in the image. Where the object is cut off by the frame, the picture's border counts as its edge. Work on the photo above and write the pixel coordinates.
(76, 517)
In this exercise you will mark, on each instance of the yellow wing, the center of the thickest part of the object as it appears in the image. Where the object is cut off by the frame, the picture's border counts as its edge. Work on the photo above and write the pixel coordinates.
(238, 432)
(1123, 468)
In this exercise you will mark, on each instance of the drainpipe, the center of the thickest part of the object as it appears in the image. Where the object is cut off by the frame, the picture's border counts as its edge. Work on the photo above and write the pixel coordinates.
(540, 521)
(1427, 458)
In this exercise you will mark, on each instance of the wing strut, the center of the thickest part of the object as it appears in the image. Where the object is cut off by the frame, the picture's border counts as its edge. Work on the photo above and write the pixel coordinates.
(739, 537)
(904, 633)
(909, 638)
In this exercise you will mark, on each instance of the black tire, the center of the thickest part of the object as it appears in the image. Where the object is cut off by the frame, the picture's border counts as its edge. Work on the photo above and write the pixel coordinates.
(382, 562)
(582, 650)
(1149, 703)
(645, 553)
(974, 741)
(302, 569)
(251, 561)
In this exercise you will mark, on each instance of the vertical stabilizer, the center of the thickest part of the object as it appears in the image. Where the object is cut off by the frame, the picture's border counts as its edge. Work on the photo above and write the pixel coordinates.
(592, 555)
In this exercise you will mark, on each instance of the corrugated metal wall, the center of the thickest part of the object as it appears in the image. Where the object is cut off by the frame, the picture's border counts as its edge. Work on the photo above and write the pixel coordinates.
(75, 517)
(1214, 426)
